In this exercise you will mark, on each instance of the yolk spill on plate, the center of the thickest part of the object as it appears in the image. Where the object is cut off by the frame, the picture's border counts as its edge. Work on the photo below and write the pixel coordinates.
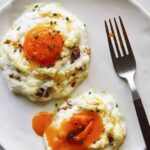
(76, 134)
(43, 46)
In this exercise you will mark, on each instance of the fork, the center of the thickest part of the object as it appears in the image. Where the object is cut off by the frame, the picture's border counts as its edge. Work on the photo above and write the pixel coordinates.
(125, 66)
(1, 148)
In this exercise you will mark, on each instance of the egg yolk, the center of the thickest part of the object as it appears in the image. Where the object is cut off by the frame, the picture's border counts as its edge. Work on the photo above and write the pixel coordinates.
(43, 46)
(78, 133)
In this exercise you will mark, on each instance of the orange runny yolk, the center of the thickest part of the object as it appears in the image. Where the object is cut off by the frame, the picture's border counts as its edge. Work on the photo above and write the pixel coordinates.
(76, 134)
(42, 46)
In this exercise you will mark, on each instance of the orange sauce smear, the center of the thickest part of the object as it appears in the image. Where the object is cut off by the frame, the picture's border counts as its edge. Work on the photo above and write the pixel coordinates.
(76, 134)
(42, 46)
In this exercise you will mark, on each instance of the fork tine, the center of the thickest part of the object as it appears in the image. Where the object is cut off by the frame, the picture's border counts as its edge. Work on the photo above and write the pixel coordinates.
(126, 36)
(120, 39)
(112, 52)
(115, 40)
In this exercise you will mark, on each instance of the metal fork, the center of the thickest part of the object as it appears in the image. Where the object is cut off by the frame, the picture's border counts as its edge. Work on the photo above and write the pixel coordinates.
(1, 148)
(125, 66)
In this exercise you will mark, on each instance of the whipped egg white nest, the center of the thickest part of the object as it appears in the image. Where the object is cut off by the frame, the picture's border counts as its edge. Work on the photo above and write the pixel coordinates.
(102, 103)
(41, 83)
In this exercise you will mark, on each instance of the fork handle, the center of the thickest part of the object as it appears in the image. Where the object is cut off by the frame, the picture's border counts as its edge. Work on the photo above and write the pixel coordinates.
(141, 114)
(144, 124)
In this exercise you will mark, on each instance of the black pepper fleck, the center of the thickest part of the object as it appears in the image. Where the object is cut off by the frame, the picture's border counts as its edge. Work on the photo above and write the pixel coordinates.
(81, 128)
(90, 93)
(97, 110)
(71, 135)
(55, 22)
(55, 14)
(36, 6)
(67, 18)
(18, 28)
(49, 65)
(51, 22)
(80, 142)
(49, 47)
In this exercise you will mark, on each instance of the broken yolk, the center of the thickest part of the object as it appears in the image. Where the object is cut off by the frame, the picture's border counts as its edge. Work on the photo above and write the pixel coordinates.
(78, 133)
(41, 121)
(43, 46)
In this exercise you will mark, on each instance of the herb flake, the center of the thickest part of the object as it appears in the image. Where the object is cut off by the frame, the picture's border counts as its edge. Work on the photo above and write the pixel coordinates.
(18, 28)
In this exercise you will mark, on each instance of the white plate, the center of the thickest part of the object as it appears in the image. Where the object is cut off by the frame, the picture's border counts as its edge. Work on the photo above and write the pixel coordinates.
(16, 112)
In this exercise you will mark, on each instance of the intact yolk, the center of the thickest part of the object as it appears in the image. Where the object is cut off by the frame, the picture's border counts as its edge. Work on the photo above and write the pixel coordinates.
(78, 133)
(43, 46)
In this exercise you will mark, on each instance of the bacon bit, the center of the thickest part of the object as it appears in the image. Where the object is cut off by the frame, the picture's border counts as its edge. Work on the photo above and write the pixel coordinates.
(73, 84)
(36, 36)
(70, 105)
(83, 68)
(43, 92)
(75, 54)
(20, 46)
(15, 77)
(110, 138)
(7, 42)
